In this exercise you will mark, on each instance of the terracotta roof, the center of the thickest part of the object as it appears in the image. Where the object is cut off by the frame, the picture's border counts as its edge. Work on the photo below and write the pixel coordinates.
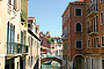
(31, 18)
(56, 37)
(77, 1)
(37, 26)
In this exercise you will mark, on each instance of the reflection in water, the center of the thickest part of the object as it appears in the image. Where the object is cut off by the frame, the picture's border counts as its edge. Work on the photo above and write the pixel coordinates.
(53, 65)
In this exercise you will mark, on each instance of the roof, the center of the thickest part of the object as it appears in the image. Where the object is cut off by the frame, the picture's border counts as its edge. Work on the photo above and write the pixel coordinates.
(37, 26)
(56, 37)
(77, 1)
(73, 2)
(31, 18)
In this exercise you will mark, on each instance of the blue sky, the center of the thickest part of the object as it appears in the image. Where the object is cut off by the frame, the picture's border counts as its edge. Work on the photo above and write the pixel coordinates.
(48, 14)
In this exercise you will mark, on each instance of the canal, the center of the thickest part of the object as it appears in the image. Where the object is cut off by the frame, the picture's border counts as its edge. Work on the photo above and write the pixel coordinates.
(52, 65)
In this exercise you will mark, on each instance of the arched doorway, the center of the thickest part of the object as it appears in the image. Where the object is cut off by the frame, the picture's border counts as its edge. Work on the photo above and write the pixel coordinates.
(79, 62)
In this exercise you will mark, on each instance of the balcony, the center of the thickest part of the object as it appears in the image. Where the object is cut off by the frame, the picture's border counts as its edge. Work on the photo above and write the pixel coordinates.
(24, 49)
(92, 10)
(65, 36)
(16, 49)
(93, 30)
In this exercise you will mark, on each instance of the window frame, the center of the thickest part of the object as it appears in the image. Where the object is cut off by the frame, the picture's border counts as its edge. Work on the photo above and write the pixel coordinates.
(101, 40)
(101, 18)
(68, 28)
(69, 13)
(75, 12)
(81, 44)
(76, 26)
(101, 1)
(97, 42)
(92, 43)
(88, 44)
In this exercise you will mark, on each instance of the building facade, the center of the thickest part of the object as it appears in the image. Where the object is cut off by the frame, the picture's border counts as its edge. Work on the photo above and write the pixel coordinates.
(74, 36)
(13, 34)
(94, 34)
(34, 44)
(83, 35)
(56, 47)
(45, 45)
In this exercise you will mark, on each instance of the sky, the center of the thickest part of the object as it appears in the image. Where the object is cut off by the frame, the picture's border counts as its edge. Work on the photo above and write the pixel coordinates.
(48, 14)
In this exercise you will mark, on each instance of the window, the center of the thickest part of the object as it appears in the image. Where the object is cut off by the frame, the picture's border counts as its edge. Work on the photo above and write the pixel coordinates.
(65, 46)
(65, 32)
(10, 38)
(78, 27)
(87, 63)
(68, 44)
(36, 30)
(32, 60)
(21, 38)
(92, 43)
(88, 27)
(102, 40)
(101, 1)
(87, 7)
(41, 42)
(88, 43)
(64, 18)
(97, 42)
(79, 44)
(53, 47)
(9, 1)
(32, 42)
(92, 1)
(68, 27)
(96, 27)
(78, 12)
(68, 13)
(102, 18)
(29, 25)
(29, 61)
(103, 64)
(17, 37)
(14, 4)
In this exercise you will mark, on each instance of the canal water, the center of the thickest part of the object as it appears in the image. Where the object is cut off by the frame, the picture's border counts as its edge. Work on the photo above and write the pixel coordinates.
(53, 65)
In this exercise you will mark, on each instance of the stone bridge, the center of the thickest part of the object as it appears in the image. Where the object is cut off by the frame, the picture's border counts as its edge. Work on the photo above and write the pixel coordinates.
(51, 58)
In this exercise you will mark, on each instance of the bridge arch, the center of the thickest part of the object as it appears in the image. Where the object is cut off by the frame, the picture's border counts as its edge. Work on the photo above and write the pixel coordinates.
(51, 58)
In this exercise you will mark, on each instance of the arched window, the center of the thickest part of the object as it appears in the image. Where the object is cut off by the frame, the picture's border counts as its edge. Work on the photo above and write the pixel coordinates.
(78, 27)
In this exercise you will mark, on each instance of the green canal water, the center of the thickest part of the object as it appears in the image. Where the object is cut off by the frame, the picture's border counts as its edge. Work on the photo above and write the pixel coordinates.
(51, 66)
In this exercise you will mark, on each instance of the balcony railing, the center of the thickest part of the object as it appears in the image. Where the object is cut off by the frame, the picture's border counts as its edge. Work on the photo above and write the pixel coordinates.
(92, 30)
(16, 48)
(65, 36)
(92, 10)
(24, 49)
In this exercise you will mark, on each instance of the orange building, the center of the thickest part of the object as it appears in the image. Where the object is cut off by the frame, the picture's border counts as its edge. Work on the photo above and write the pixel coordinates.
(73, 35)
(94, 34)
(83, 35)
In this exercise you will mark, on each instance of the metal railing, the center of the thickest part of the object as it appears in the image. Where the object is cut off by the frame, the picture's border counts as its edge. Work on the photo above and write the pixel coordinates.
(93, 28)
(16, 48)
(93, 7)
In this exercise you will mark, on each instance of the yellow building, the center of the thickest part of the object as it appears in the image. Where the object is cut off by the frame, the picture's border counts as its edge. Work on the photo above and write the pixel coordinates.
(13, 34)
(34, 44)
